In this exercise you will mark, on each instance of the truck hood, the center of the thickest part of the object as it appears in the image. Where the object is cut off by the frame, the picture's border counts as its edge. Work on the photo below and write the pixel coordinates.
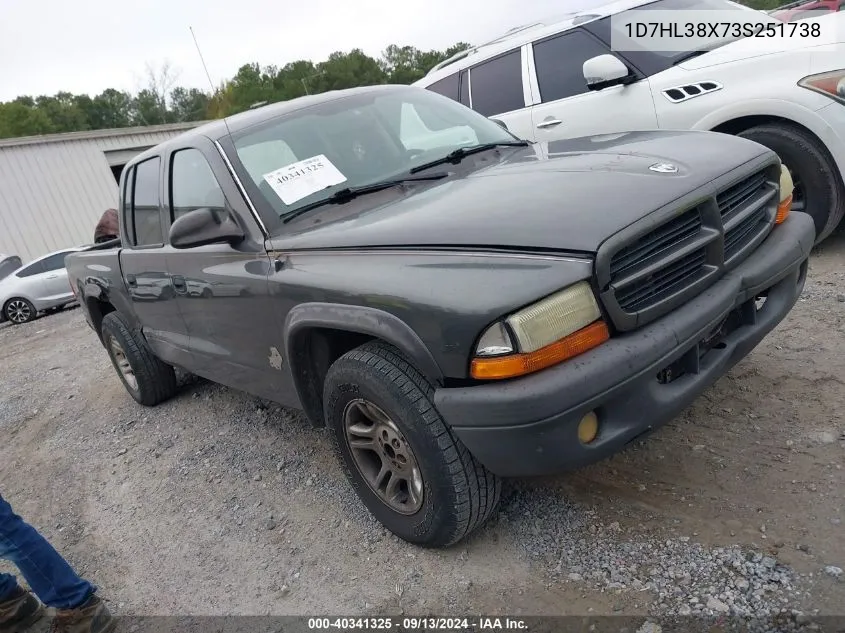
(565, 196)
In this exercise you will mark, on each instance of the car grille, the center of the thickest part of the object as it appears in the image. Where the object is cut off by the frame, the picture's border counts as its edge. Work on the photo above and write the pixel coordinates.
(646, 273)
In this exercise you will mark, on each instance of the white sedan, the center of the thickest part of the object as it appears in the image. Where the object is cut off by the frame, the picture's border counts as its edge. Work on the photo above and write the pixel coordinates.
(40, 285)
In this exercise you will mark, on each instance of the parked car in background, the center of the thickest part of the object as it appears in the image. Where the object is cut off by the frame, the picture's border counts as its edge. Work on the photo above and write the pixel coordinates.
(453, 313)
(39, 286)
(803, 9)
(561, 79)
(8, 265)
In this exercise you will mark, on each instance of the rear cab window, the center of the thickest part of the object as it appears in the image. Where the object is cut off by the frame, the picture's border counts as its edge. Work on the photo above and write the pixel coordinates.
(145, 210)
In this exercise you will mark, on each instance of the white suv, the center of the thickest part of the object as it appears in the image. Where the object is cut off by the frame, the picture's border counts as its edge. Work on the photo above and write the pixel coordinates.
(534, 80)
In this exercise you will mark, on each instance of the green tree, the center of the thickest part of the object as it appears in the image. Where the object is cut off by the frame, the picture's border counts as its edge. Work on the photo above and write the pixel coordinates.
(188, 104)
(19, 119)
(63, 111)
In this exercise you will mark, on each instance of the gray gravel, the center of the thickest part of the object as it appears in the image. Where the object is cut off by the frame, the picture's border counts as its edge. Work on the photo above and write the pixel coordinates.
(683, 576)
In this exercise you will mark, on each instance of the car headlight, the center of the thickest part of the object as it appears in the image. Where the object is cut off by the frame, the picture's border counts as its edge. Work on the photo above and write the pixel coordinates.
(786, 188)
(830, 84)
(543, 334)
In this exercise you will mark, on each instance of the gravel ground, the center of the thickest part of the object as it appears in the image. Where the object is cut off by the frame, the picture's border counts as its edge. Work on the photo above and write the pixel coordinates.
(216, 503)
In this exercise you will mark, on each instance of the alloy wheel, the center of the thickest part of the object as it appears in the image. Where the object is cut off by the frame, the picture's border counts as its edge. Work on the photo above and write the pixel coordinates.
(18, 311)
(123, 365)
(383, 456)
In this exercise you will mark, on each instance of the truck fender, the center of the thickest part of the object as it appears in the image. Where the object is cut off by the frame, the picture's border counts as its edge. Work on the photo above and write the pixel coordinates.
(354, 319)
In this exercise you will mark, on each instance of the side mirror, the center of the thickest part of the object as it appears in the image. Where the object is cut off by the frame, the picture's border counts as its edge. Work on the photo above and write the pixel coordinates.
(604, 71)
(501, 123)
(204, 226)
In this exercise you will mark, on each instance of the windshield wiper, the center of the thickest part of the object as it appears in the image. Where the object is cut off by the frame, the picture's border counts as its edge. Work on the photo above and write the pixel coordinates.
(344, 195)
(462, 152)
(689, 56)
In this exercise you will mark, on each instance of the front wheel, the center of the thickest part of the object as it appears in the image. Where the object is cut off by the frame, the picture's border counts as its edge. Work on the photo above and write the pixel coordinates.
(818, 190)
(147, 379)
(19, 310)
(405, 464)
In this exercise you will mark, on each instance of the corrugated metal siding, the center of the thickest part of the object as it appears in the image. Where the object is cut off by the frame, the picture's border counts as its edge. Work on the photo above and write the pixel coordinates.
(52, 194)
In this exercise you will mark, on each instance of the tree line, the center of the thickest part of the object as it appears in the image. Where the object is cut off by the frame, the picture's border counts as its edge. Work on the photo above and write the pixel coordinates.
(161, 101)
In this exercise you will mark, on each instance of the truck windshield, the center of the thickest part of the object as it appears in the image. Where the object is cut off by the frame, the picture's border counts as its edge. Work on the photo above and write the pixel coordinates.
(306, 156)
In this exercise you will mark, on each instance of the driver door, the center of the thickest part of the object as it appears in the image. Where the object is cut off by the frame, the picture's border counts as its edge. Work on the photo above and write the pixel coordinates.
(566, 108)
(222, 289)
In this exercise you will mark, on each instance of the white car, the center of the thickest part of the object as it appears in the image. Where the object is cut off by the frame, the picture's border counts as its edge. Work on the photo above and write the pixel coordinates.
(786, 93)
(38, 286)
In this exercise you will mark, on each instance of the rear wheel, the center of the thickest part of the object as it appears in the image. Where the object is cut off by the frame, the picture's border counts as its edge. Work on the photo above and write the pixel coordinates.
(818, 189)
(19, 310)
(405, 464)
(147, 379)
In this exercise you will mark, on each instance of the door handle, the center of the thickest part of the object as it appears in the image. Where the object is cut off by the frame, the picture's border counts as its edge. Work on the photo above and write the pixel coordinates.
(53, 277)
(179, 284)
(131, 281)
(549, 123)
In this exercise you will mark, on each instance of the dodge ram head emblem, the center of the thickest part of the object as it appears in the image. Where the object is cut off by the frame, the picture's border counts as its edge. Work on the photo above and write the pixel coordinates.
(664, 168)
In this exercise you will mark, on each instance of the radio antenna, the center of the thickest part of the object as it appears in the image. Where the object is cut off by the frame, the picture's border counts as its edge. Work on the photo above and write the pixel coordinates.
(208, 75)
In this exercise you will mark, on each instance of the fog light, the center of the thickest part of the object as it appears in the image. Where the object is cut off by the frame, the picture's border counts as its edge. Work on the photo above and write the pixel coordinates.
(588, 427)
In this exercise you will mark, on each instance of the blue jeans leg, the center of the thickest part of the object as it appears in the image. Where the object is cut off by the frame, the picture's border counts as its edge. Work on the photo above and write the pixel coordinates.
(49, 575)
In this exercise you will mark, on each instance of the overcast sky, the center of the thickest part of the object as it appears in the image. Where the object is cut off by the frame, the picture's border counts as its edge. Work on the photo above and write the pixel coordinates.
(89, 45)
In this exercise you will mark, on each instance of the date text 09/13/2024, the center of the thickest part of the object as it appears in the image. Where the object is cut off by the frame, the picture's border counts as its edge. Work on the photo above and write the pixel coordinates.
(416, 624)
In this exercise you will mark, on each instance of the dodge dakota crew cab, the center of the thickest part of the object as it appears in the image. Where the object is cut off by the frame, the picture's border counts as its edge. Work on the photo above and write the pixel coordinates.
(455, 304)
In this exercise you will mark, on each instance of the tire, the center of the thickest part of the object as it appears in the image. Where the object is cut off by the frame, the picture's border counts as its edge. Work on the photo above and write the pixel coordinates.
(19, 310)
(816, 175)
(456, 493)
(147, 379)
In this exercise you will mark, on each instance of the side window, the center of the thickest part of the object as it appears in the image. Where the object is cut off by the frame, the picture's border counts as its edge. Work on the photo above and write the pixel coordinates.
(560, 64)
(192, 184)
(146, 217)
(497, 85)
(32, 269)
(55, 261)
(448, 87)
(126, 205)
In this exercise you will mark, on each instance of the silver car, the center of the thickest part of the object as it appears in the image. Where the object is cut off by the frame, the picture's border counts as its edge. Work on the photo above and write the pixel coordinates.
(40, 285)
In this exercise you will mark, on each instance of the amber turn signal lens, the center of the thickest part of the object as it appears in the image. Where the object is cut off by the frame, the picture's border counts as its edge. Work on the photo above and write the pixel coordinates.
(783, 210)
(520, 364)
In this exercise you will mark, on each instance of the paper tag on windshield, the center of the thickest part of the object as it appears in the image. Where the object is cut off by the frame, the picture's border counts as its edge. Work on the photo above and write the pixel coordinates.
(299, 180)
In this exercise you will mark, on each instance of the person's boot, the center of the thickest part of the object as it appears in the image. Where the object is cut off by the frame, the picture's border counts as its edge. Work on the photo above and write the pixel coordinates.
(19, 612)
(91, 617)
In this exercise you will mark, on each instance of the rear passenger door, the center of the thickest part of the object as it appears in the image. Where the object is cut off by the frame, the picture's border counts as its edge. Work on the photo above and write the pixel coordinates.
(56, 285)
(497, 91)
(143, 262)
(565, 107)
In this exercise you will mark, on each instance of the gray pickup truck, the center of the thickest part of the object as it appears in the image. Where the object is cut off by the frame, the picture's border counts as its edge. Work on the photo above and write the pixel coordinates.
(454, 304)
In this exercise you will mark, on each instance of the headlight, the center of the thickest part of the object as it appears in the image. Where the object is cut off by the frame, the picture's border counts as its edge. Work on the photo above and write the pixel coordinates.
(830, 84)
(548, 332)
(786, 188)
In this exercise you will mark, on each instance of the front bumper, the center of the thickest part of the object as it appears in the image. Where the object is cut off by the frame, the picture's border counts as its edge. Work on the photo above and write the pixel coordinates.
(528, 426)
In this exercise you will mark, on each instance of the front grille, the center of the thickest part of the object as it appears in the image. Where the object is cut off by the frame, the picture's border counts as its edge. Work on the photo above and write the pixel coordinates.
(656, 243)
(663, 283)
(745, 232)
(646, 274)
(735, 198)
